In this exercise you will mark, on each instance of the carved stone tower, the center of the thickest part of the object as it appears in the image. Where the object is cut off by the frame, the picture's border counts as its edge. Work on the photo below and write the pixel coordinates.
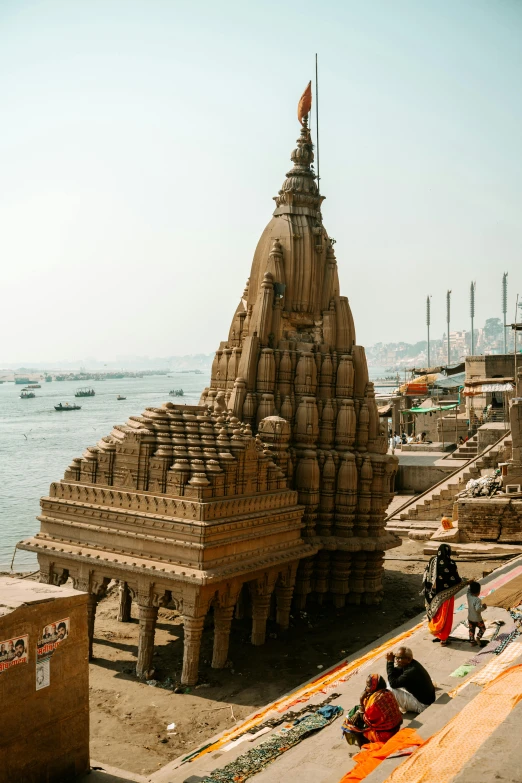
(291, 351)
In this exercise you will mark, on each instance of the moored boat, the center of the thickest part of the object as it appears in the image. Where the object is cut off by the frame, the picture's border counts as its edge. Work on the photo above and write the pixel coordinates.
(67, 407)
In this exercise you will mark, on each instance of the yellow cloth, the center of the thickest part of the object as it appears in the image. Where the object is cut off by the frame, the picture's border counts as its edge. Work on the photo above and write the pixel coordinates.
(446, 752)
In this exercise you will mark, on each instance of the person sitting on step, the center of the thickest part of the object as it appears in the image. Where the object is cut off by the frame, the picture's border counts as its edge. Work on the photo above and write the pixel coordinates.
(409, 681)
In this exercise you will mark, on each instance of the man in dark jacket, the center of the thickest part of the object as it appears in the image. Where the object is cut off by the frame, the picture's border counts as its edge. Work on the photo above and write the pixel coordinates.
(409, 681)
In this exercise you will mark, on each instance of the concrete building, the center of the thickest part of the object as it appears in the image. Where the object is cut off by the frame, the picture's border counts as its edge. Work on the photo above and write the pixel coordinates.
(44, 682)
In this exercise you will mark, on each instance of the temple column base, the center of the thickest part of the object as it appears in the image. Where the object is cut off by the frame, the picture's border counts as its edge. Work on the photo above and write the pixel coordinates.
(284, 602)
(222, 623)
(260, 609)
(124, 612)
(147, 618)
(193, 627)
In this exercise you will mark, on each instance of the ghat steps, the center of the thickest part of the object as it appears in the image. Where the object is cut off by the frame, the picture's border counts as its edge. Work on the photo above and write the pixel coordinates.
(424, 511)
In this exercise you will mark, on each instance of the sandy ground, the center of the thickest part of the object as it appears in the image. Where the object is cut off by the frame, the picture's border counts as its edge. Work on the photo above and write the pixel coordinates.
(129, 719)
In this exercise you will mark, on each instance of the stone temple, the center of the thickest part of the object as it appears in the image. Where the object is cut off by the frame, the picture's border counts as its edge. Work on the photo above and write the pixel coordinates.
(273, 488)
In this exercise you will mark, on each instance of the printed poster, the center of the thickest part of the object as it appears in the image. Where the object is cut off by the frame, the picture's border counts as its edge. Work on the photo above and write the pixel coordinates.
(13, 652)
(51, 638)
(43, 674)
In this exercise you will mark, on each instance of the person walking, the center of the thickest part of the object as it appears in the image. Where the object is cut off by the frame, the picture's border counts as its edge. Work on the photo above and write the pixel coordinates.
(441, 582)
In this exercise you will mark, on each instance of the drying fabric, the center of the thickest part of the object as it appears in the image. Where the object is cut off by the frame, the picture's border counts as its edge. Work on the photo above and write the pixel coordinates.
(441, 623)
(462, 671)
(403, 743)
(340, 673)
(507, 596)
(255, 760)
(443, 756)
(497, 665)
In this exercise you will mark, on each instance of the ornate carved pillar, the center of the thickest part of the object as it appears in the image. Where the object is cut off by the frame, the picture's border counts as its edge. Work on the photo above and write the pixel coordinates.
(193, 627)
(284, 601)
(147, 616)
(124, 613)
(260, 609)
(222, 623)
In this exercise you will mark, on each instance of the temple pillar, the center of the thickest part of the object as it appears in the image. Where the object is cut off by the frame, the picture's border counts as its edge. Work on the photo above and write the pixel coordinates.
(193, 627)
(124, 612)
(260, 609)
(283, 601)
(92, 602)
(222, 623)
(147, 619)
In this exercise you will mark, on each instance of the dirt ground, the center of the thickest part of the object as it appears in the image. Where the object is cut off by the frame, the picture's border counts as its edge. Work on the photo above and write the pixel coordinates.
(129, 718)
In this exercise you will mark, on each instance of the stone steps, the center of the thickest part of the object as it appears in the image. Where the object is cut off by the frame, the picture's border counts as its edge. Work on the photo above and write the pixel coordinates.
(438, 501)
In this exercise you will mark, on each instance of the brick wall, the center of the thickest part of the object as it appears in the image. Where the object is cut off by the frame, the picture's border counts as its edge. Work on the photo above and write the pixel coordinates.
(45, 733)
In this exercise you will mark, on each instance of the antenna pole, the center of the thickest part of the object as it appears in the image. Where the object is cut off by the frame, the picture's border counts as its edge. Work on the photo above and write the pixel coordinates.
(428, 324)
(472, 314)
(504, 306)
(317, 124)
(448, 308)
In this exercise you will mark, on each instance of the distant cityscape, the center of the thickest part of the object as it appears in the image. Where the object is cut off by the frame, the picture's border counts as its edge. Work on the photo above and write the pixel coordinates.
(391, 356)
(488, 340)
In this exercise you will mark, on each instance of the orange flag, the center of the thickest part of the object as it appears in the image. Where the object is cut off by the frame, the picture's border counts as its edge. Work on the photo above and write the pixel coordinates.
(305, 103)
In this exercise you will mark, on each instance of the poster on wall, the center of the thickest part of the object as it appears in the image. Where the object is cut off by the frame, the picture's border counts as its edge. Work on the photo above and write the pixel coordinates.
(13, 652)
(51, 638)
(43, 674)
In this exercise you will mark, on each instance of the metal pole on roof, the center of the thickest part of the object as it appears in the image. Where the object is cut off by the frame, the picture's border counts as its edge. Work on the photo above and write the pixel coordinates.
(448, 309)
(504, 306)
(472, 314)
(428, 322)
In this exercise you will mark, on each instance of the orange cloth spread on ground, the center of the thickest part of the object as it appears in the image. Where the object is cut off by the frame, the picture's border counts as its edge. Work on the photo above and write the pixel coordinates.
(442, 621)
(375, 752)
(443, 756)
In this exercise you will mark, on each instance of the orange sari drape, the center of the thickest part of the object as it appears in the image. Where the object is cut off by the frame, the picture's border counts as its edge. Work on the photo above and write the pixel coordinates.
(442, 622)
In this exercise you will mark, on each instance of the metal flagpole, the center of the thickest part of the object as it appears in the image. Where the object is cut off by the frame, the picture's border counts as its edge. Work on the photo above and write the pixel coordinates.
(504, 306)
(317, 124)
(472, 314)
(448, 306)
(428, 322)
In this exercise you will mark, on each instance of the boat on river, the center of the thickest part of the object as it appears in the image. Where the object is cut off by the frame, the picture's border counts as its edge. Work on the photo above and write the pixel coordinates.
(67, 407)
(119, 397)
(26, 394)
(176, 392)
(87, 392)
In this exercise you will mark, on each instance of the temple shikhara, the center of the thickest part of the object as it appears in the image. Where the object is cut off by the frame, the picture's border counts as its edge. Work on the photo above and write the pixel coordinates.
(273, 488)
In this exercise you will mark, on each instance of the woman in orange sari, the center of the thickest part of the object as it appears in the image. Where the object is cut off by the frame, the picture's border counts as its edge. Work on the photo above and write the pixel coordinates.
(441, 582)
(377, 718)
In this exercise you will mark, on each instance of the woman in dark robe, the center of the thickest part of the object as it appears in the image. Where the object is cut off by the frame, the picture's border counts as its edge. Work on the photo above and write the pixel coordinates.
(441, 582)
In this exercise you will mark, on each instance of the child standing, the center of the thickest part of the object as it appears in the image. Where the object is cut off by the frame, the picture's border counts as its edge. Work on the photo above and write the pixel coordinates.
(475, 609)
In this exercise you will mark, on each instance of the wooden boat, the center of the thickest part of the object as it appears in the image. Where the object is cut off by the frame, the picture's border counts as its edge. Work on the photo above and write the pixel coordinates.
(27, 394)
(33, 386)
(67, 407)
(176, 392)
(84, 392)
(119, 397)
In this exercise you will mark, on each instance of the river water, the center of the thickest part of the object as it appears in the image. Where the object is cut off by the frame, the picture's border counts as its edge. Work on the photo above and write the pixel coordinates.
(37, 443)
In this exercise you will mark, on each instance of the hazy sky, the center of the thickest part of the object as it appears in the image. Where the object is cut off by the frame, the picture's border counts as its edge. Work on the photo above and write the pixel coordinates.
(141, 143)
